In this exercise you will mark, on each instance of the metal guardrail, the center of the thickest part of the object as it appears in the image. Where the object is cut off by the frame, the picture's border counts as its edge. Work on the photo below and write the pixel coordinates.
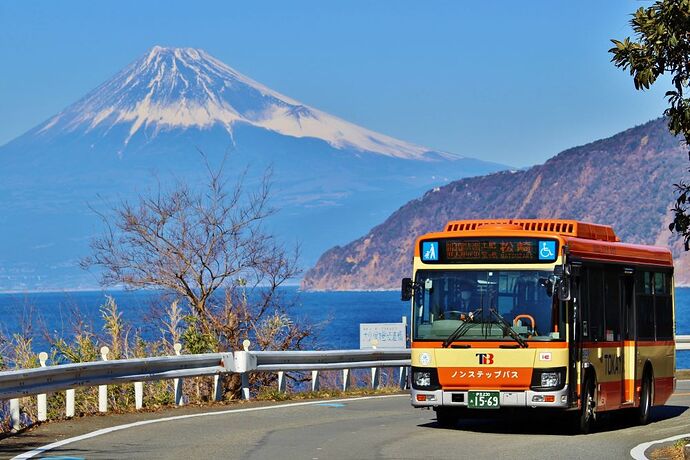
(42, 380)
(27, 382)
(326, 360)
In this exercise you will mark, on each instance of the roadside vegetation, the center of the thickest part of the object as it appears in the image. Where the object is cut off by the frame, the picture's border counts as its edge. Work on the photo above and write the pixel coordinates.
(675, 451)
(125, 341)
(205, 249)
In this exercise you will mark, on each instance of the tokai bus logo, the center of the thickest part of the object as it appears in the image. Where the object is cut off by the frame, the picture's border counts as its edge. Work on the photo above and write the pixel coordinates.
(485, 358)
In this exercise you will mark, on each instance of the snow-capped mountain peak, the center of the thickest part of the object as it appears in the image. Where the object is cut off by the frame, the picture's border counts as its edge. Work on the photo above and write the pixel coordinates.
(180, 88)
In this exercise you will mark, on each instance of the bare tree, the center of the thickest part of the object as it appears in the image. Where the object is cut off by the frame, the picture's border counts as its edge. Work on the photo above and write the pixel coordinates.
(193, 242)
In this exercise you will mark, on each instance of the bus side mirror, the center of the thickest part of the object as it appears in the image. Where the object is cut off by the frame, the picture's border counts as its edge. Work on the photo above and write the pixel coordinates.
(407, 289)
(564, 288)
(562, 275)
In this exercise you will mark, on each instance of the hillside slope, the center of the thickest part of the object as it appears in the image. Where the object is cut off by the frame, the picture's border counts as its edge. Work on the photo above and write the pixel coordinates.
(624, 181)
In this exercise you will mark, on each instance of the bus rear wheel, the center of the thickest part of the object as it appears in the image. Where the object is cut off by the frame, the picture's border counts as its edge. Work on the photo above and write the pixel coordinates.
(587, 416)
(645, 406)
(447, 417)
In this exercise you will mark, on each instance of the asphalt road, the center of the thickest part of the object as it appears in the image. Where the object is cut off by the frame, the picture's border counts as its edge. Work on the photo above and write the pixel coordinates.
(385, 428)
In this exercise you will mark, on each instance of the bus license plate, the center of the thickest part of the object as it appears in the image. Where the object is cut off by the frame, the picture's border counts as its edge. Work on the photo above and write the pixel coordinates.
(483, 399)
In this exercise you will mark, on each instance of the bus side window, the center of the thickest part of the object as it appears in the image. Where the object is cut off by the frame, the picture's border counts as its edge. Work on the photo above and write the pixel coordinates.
(595, 288)
(645, 305)
(663, 306)
(612, 305)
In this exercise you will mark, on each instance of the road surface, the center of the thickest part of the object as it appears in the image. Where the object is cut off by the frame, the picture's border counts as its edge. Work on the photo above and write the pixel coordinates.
(376, 428)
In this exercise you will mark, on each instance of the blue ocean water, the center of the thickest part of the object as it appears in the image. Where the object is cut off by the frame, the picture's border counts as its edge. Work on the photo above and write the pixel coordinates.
(336, 315)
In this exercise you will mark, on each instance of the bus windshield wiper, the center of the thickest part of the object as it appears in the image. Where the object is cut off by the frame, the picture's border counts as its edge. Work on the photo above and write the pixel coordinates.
(461, 330)
(512, 332)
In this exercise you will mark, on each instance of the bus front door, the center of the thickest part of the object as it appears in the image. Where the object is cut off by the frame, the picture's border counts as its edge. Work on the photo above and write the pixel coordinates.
(629, 348)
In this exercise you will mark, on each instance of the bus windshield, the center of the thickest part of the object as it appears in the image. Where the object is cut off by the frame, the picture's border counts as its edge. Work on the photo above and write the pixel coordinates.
(460, 302)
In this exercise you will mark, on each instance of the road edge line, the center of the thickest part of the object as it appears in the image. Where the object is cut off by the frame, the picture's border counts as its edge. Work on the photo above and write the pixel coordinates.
(102, 431)
(638, 451)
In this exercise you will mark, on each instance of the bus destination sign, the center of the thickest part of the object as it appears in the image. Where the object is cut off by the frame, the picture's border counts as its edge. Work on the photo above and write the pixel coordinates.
(490, 250)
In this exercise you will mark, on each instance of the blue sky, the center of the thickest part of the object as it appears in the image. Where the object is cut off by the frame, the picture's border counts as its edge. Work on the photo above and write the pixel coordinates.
(512, 82)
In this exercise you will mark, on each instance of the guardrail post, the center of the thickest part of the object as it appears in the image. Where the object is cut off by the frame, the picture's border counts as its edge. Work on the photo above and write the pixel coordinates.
(402, 378)
(138, 395)
(42, 399)
(375, 371)
(315, 381)
(103, 389)
(281, 381)
(245, 386)
(178, 382)
(346, 379)
(15, 424)
(217, 387)
(69, 403)
(245, 375)
(375, 377)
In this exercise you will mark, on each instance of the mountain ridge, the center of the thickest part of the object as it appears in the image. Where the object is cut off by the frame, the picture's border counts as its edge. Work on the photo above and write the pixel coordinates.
(172, 88)
(624, 181)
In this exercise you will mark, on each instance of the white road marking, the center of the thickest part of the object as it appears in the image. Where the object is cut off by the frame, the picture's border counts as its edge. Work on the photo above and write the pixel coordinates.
(93, 434)
(637, 452)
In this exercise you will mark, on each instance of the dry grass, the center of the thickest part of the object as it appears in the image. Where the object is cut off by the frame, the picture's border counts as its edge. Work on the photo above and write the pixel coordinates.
(683, 374)
(671, 452)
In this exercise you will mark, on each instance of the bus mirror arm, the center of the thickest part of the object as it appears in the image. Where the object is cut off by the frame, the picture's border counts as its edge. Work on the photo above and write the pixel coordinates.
(548, 284)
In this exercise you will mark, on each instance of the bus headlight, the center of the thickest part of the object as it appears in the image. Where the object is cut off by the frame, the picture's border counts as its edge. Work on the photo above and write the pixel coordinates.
(422, 379)
(425, 378)
(548, 379)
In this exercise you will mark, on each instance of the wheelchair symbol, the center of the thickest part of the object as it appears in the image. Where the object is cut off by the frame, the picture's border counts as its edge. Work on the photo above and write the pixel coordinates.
(546, 251)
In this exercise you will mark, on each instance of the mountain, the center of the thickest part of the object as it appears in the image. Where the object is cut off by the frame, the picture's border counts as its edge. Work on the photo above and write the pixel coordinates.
(144, 128)
(624, 181)
(169, 89)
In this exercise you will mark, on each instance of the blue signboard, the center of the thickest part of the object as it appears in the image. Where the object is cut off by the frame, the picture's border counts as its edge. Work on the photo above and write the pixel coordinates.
(430, 250)
(547, 250)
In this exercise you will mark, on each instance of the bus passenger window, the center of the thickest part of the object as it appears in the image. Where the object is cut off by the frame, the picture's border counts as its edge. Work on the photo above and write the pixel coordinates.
(595, 307)
(663, 306)
(645, 306)
(612, 306)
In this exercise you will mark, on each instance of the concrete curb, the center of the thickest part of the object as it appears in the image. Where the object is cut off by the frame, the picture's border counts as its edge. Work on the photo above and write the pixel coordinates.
(638, 451)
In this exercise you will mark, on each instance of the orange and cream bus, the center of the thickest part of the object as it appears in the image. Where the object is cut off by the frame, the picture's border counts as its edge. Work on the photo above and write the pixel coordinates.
(540, 314)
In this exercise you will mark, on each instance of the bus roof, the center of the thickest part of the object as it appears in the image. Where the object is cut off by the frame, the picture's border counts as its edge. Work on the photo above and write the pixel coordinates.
(583, 239)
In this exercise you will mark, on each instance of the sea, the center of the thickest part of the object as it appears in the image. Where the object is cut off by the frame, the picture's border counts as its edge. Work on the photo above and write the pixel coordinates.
(336, 316)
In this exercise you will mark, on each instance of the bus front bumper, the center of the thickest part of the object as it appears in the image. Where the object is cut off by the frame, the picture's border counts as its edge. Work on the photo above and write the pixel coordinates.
(526, 398)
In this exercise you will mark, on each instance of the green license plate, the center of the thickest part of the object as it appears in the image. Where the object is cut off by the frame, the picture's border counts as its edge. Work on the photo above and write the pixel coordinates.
(483, 399)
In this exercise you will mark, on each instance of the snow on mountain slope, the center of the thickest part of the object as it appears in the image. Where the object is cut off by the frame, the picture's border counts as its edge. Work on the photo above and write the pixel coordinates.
(172, 88)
